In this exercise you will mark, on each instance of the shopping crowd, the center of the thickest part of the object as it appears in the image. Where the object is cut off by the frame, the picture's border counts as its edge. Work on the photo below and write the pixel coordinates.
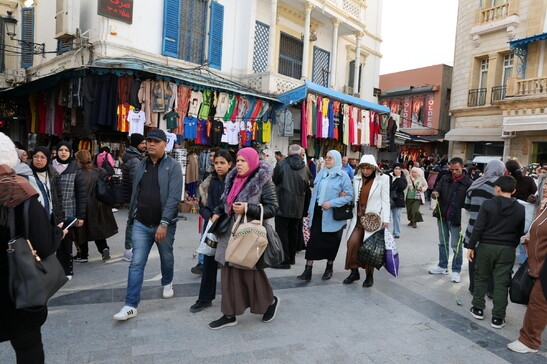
(289, 207)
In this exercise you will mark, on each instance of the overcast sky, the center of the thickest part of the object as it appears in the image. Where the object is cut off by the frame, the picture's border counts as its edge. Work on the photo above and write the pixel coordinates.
(417, 33)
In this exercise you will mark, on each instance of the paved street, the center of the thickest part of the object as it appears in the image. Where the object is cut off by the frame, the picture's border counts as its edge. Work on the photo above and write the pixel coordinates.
(412, 319)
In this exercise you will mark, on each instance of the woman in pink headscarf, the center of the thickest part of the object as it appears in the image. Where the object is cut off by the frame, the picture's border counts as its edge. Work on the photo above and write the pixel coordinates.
(246, 186)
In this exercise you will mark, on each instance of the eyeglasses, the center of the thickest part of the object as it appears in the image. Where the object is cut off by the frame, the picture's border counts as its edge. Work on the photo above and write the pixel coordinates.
(39, 157)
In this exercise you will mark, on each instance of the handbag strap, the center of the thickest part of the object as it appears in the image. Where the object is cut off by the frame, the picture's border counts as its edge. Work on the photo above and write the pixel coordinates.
(11, 218)
(261, 213)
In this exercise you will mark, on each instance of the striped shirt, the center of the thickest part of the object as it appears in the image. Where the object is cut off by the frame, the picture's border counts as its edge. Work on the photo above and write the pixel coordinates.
(473, 201)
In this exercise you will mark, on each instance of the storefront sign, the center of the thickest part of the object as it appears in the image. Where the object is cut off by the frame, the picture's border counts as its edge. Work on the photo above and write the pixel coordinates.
(430, 105)
(418, 111)
(121, 10)
(406, 112)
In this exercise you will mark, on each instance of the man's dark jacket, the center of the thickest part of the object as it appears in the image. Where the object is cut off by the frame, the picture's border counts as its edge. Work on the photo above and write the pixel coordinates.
(291, 177)
(452, 197)
(131, 157)
(500, 222)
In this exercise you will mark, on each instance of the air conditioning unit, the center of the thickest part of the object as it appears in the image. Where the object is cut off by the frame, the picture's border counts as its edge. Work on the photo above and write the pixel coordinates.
(67, 19)
(508, 134)
(348, 90)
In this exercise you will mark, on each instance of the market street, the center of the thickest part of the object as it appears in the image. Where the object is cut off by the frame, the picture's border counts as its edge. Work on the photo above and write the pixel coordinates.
(412, 319)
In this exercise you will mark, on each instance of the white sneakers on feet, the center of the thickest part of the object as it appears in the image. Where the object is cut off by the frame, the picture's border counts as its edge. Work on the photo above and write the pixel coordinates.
(519, 347)
(438, 270)
(456, 277)
(125, 313)
(168, 291)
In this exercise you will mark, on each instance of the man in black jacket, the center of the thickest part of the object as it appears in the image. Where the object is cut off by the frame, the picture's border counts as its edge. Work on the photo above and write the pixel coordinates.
(498, 228)
(450, 195)
(131, 157)
(291, 177)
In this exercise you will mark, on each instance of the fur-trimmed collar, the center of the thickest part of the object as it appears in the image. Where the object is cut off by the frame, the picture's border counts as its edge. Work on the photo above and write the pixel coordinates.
(253, 185)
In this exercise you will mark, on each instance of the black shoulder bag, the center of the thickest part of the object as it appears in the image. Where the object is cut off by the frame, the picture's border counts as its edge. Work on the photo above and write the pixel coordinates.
(32, 280)
(344, 212)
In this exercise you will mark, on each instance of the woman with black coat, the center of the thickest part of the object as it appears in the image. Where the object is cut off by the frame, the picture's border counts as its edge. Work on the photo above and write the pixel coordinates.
(22, 327)
(99, 223)
(246, 186)
(211, 208)
(397, 197)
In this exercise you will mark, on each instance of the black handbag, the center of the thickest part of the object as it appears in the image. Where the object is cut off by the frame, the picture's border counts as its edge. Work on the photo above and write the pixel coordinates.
(104, 193)
(373, 250)
(273, 255)
(521, 285)
(32, 280)
(221, 225)
(343, 213)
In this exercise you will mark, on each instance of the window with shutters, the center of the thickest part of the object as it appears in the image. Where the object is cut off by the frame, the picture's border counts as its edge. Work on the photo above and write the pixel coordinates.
(290, 56)
(27, 35)
(186, 31)
(351, 77)
(321, 66)
(260, 52)
(64, 46)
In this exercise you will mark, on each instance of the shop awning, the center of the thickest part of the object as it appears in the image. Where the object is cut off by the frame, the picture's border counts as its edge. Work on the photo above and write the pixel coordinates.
(474, 135)
(522, 41)
(525, 123)
(300, 93)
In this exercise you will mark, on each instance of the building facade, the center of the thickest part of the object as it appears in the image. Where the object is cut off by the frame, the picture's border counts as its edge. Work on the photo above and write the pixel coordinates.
(498, 93)
(263, 46)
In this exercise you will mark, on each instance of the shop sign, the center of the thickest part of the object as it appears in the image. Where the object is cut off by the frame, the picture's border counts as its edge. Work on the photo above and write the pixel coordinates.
(417, 111)
(121, 10)
(430, 106)
(406, 112)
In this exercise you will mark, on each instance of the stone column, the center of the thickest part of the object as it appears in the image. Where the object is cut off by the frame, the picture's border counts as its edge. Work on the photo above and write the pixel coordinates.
(357, 62)
(271, 38)
(334, 54)
(507, 148)
(306, 52)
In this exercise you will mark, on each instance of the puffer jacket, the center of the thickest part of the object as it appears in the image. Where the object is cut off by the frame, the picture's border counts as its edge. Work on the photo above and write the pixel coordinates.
(131, 157)
(398, 187)
(291, 178)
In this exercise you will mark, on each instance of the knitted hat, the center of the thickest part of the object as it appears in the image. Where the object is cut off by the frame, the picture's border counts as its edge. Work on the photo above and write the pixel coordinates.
(8, 154)
(136, 139)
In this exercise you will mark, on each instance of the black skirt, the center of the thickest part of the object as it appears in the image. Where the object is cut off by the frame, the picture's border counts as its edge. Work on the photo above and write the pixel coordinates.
(322, 245)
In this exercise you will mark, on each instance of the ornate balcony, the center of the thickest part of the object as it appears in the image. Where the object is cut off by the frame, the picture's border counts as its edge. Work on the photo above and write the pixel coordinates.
(527, 88)
(271, 82)
(486, 15)
(476, 97)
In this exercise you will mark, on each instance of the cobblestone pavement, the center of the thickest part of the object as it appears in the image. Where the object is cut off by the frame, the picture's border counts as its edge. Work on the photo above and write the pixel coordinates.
(413, 318)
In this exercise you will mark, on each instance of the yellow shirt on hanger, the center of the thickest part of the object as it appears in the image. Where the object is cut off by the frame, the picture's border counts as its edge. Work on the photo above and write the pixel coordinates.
(266, 131)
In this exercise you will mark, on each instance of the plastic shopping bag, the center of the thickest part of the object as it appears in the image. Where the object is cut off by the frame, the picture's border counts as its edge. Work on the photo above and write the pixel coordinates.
(208, 242)
(392, 256)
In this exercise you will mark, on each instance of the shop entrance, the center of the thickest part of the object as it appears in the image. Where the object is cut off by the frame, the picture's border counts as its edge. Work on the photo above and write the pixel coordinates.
(539, 152)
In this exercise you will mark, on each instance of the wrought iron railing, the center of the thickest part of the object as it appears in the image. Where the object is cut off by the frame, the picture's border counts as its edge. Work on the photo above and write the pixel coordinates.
(476, 97)
(498, 93)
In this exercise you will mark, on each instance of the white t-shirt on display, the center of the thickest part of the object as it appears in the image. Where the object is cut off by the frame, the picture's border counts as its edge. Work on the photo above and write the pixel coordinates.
(231, 132)
(171, 139)
(136, 121)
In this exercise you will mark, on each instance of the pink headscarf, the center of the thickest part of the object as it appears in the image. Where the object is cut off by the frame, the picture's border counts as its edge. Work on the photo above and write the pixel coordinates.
(251, 156)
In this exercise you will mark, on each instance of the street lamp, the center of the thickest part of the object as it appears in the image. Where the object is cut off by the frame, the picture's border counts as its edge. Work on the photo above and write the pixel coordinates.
(11, 25)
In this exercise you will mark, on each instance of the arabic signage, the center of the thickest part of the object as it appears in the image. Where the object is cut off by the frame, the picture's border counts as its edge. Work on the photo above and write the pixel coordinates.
(121, 10)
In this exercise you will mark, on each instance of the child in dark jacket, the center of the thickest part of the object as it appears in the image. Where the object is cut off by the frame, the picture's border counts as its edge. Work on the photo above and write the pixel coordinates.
(498, 229)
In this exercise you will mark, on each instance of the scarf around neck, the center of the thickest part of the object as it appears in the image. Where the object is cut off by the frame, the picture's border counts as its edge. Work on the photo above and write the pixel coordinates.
(251, 157)
(328, 174)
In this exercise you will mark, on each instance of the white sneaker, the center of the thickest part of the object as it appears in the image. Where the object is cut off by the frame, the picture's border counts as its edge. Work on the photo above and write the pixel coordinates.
(519, 347)
(128, 255)
(438, 270)
(114, 209)
(168, 291)
(125, 313)
(456, 277)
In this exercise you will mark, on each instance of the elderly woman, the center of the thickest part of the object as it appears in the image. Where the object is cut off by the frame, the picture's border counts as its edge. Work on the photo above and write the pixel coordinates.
(415, 195)
(245, 187)
(371, 195)
(535, 318)
(332, 188)
(480, 190)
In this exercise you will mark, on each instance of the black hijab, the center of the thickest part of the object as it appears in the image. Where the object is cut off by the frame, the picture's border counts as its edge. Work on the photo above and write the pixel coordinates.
(47, 153)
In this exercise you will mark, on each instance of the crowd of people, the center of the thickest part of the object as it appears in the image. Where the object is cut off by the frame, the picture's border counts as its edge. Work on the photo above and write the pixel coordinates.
(490, 212)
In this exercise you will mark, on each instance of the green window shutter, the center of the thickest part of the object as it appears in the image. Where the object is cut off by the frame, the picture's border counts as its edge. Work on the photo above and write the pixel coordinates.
(215, 35)
(171, 28)
(27, 30)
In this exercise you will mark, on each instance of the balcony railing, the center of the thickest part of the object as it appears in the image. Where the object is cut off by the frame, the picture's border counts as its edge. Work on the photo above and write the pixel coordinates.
(498, 12)
(531, 86)
(498, 93)
(476, 97)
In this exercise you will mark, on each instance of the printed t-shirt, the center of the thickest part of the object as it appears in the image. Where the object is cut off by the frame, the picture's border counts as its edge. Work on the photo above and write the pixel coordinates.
(136, 121)
(217, 131)
(266, 131)
(171, 139)
(190, 127)
(231, 131)
(171, 119)
(122, 112)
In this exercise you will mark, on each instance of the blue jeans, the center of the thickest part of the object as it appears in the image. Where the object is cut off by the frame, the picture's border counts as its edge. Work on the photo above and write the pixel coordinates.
(448, 231)
(522, 254)
(396, 218)
(143, 239)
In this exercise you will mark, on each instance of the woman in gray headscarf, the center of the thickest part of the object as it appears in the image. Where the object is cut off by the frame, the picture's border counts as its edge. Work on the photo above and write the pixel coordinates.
(481, 190)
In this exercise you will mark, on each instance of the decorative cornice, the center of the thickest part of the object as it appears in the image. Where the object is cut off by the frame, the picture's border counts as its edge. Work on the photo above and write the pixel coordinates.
(295, 15)
(336, 21)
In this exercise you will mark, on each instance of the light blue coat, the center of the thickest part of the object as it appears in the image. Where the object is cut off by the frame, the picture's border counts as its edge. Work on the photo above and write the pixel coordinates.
(338, 183)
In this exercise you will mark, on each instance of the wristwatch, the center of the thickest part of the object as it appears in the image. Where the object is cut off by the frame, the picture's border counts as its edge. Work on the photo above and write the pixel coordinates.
(164, 224)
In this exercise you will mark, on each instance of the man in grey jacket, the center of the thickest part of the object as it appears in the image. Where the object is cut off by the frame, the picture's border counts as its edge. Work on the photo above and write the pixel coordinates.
(153, 210)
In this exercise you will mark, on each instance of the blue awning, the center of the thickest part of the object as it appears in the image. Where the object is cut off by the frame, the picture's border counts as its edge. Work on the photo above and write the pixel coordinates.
(522, 41)
(300, 93)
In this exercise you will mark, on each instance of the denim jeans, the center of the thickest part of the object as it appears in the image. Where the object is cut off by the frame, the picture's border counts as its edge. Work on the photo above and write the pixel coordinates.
(143, 239)
(396, 219)
(447, 232)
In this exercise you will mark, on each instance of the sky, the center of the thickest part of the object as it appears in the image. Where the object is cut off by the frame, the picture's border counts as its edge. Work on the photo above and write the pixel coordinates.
(417, 33)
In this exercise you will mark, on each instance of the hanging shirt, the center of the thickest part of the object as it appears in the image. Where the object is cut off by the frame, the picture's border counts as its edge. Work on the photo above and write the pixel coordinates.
(171, 139)
(204, 132)
(190, 128)
(122, 112)
(136, 119)
(223, 103)
(266, 131)
(231, 131)
(259, 132)
(206, 104)
(336, 119)
(345, 120)
(196, 99)
(331, 119)
(351, 131)
(319, 123)
(171, 119)
(303, 127)
(162, 93)
(217, 131)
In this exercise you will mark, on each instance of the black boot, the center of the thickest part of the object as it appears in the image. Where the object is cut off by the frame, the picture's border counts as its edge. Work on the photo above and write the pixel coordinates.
(328, 272)
(306, 276)
(369, 280)
(353, 276)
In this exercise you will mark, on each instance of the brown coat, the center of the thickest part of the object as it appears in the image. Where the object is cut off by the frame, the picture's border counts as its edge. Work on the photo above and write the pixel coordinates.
(99, 222)
(537, 243)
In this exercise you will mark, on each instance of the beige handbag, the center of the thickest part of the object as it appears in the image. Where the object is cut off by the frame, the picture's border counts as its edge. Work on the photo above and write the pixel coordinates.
(247, 242)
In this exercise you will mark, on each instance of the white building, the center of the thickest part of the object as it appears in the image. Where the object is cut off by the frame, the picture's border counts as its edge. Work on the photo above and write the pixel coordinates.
(268, 45)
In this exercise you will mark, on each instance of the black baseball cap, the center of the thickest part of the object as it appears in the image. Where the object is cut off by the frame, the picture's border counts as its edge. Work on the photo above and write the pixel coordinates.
(157, 134)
